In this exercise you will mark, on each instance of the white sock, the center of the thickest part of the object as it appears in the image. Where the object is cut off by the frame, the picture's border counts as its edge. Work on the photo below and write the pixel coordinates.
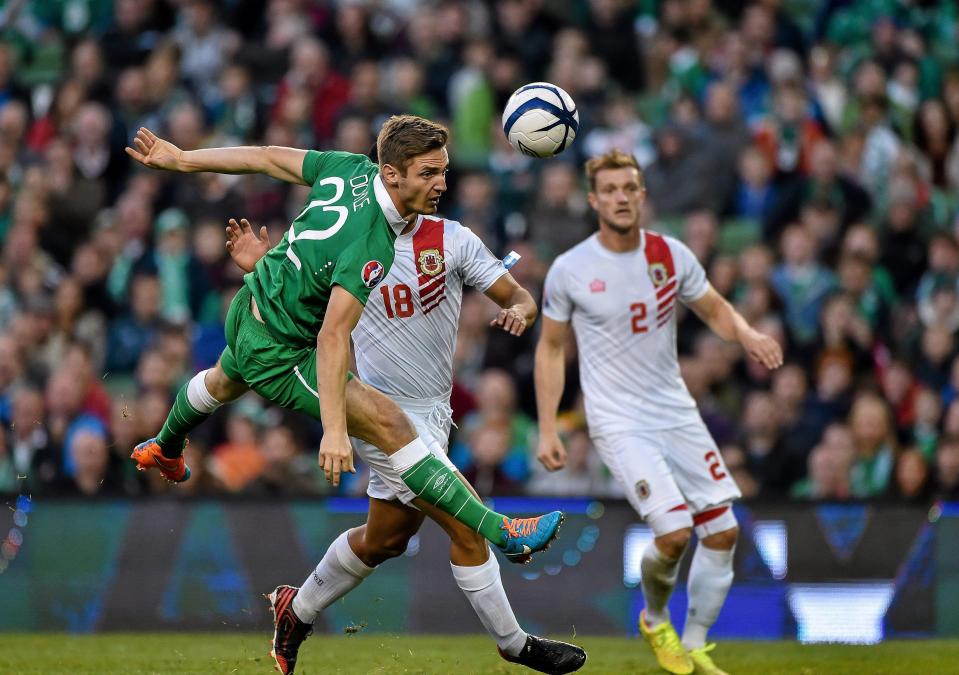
(199, 396)
(407, 456)
(338, 573)
(658, 580)
(710, 576)
(483, 587)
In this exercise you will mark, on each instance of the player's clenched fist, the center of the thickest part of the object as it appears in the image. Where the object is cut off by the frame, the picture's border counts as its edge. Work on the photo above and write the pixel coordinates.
(551, 452)
(510, 320)
(154, 152)
(763, 348)
(336, 456)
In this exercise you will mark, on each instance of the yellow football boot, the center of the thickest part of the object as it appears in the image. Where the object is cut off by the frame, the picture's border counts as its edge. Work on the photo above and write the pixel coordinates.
(704, 662)
(670, 653)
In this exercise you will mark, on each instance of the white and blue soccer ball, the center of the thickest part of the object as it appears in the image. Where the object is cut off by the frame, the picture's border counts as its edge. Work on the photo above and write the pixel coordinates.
(540, 120)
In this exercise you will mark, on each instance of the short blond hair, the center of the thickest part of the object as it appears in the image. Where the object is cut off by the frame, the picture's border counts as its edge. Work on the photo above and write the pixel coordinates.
(613, 159)
(403, 137)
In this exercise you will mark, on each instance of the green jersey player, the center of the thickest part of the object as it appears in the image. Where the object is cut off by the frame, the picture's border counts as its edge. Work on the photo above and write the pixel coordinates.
(288, 329)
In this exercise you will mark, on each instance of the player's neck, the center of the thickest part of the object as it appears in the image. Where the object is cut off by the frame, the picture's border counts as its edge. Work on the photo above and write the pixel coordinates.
(405, 213)
(617, 240)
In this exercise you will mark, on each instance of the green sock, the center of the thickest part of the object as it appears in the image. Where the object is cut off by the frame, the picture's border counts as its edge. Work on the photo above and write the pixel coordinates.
(183, 419)
(431, 480)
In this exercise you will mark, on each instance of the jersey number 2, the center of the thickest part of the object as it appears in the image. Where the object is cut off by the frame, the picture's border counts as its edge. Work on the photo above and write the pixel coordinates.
(639, 309)
(402, 299)
(319, 235)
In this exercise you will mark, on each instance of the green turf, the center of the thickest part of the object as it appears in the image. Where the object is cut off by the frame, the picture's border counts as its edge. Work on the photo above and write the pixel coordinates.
(177, 653)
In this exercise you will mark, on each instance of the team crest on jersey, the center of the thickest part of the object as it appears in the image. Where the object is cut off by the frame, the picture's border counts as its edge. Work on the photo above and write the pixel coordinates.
(373, 273)
(642, 490)
(430, 262)
(597, 286)
(658, 274)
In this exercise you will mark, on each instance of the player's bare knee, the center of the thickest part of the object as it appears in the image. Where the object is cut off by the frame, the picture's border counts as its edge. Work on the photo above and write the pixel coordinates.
(221, 387)
(674, 543)
(722, 541)
(391, 546)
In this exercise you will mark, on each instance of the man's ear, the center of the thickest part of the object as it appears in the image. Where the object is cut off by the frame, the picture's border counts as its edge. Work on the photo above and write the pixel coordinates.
(591, 199)
(390, 175)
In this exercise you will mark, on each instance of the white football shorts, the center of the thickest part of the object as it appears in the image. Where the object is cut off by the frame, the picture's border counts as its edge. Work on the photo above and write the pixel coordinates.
(674, 478)
(432, 421)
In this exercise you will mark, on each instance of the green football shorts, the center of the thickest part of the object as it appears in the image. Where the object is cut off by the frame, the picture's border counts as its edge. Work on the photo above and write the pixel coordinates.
(280, 373)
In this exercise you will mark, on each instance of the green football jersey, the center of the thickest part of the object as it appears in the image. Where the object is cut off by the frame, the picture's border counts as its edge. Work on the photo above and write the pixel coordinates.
(342, 236)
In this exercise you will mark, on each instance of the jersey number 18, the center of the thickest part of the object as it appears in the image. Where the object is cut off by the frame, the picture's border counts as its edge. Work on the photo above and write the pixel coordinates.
(402, 301)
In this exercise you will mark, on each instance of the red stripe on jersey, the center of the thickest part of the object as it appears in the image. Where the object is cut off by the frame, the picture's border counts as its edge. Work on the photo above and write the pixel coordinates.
(427, 240)
(709, 514)
(434, 285)
(666, 302)
(658, 255)
(434, 305)
(681, 507)
(666, 289)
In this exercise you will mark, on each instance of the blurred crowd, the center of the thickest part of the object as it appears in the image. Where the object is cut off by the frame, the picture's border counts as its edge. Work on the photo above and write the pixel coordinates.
(806, 150)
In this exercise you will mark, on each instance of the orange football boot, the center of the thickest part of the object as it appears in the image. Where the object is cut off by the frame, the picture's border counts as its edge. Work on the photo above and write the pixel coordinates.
(148, 455)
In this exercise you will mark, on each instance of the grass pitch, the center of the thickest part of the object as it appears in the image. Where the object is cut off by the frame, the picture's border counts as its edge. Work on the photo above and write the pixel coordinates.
(246, 654)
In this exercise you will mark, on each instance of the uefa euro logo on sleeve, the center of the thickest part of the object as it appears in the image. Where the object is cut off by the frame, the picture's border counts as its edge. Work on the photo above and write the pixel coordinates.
(373, 273)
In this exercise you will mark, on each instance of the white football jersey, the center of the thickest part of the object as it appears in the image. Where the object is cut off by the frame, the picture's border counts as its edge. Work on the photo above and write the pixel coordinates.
(623, 310)
(406, 336)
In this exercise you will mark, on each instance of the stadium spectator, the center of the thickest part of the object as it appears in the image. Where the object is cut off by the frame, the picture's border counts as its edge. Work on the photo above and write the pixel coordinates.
(875, 444)
(494, 443)
(28, 442)
(947, 469)
(286, 470)
(802, 283)
(93, 472)
(678, 179)
(183, 280)
(912, 477)
(829, 468)
(556, 220)
(824, 184)
(754, 193)
(205, 47)
(239, 460)
(130, 335)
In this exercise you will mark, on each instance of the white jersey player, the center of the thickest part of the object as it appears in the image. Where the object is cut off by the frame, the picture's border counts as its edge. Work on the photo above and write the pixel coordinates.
(404, 344)
(619, 290)
(406, 337)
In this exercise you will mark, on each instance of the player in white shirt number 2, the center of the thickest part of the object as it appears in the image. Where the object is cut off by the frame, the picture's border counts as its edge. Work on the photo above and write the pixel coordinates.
(619, 289)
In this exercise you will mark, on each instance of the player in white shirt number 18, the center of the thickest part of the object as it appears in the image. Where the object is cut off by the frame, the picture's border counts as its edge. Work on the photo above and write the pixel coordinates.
(618, 290)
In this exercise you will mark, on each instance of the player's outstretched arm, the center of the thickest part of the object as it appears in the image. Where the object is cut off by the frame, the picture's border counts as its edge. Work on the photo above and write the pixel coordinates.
(550, 375)
(284, 164)
(244, 245)
(723, 319)
(332, 359)
(519, 308)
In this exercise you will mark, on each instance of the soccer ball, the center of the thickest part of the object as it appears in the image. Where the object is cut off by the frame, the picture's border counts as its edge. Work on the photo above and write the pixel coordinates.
(540, 120)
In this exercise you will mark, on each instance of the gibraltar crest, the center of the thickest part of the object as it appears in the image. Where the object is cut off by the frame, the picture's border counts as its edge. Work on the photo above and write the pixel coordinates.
(430, 262)
(658, 274)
